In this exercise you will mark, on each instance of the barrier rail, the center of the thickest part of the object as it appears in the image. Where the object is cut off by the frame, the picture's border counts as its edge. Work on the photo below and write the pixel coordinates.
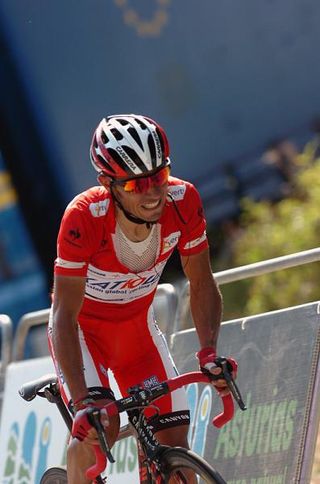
(247, 271)
(28, 321)
(6, 342)
(6, 347)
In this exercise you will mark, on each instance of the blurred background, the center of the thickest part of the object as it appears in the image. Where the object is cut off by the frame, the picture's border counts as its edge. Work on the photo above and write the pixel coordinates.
(234, 84)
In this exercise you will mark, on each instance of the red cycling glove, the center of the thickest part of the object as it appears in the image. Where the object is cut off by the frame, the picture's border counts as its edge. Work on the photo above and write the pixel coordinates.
(208, 362)
(82, 422)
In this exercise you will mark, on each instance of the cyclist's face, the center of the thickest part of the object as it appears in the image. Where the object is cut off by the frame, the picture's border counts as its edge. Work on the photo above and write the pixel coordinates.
(147, 205)
(144, 196)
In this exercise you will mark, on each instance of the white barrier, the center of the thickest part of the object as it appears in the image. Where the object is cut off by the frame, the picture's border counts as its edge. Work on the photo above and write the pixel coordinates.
(33, 435)
(29, 438)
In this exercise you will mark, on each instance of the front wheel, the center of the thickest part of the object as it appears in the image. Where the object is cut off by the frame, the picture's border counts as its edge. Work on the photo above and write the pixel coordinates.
(58, 475)
(55, 475)
(176, 461)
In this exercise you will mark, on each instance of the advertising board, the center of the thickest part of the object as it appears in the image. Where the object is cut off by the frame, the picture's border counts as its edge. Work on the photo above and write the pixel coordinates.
(278, 355)
(33, 435)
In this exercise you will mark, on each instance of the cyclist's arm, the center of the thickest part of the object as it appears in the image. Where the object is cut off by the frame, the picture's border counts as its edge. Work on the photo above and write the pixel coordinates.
(68, 298)
(205, 297)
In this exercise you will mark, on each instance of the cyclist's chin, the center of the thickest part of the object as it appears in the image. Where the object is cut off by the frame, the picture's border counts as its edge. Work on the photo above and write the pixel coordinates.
(150, 215)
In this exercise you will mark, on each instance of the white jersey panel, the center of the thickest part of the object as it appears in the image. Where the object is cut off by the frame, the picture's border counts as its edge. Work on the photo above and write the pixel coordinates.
(121, 288)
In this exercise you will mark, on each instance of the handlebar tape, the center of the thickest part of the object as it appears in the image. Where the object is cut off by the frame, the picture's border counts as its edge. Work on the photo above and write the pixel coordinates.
(101, 462)
(227, 414)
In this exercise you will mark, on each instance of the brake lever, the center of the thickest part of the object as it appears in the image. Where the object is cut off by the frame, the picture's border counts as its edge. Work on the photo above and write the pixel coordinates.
(226, 375)
(94, 419)
(233, 387)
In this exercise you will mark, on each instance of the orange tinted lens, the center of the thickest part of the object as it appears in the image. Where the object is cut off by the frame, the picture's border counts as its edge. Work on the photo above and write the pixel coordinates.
(140, 185)
(129, 186)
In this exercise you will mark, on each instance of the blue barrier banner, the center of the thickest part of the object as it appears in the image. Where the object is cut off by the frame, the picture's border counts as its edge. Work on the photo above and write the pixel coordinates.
(278, 355)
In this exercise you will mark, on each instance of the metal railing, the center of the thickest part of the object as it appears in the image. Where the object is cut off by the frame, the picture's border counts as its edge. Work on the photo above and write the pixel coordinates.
(25, 324)
(245, 272)
(6, 347)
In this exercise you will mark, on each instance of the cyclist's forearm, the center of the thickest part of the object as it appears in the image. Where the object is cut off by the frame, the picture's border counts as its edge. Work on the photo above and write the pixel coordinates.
(206, 309)
(68, 354)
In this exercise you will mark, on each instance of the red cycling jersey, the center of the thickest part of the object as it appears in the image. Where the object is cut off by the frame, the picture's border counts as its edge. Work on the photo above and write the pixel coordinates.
(86, 248)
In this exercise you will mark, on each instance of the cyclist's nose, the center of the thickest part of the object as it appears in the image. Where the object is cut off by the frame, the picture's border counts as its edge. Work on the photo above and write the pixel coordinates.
(156, 191)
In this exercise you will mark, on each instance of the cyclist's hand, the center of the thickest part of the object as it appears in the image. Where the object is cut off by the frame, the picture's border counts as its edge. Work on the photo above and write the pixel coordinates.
(207, 362)
(82, 428)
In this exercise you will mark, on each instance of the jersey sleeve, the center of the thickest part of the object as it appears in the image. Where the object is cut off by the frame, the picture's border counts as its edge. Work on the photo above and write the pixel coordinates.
(75, 244)
(193, 239)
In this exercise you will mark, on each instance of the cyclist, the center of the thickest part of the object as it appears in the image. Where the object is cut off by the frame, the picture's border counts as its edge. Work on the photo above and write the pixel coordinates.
(113, 244)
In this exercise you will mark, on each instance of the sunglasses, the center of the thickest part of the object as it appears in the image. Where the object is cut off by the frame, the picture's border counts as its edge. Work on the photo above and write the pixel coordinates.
(143, 183)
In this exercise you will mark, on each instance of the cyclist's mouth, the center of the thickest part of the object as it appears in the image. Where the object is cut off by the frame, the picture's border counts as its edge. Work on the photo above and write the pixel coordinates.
(151, 205)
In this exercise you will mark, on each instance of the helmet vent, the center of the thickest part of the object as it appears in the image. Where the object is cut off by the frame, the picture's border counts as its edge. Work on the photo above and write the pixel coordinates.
(133, 155)
(124, 122)
(152, 151)
(135, 136)
(120, 162)
(104, 138)
(116, 134)
(161, 140)
(105, 164)
(141, 124)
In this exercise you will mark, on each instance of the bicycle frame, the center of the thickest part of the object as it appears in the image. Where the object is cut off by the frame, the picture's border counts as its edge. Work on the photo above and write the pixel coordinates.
(149, 449)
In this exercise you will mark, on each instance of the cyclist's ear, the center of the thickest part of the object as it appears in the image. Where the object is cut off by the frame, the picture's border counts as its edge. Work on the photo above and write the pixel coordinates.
(104, 180)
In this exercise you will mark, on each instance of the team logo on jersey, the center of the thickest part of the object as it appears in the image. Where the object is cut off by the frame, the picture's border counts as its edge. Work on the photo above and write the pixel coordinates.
(195, 242)
(74, 234)
(177, 191)
(170, 241)
(121, 288)
(99, 209)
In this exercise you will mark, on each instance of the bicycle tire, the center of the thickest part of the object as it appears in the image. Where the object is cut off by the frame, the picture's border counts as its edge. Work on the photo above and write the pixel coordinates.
(55, 475)
(176, 459)
(58, 475)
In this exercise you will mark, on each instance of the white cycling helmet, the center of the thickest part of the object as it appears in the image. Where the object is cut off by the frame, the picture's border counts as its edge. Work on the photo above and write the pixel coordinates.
(128, 145)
